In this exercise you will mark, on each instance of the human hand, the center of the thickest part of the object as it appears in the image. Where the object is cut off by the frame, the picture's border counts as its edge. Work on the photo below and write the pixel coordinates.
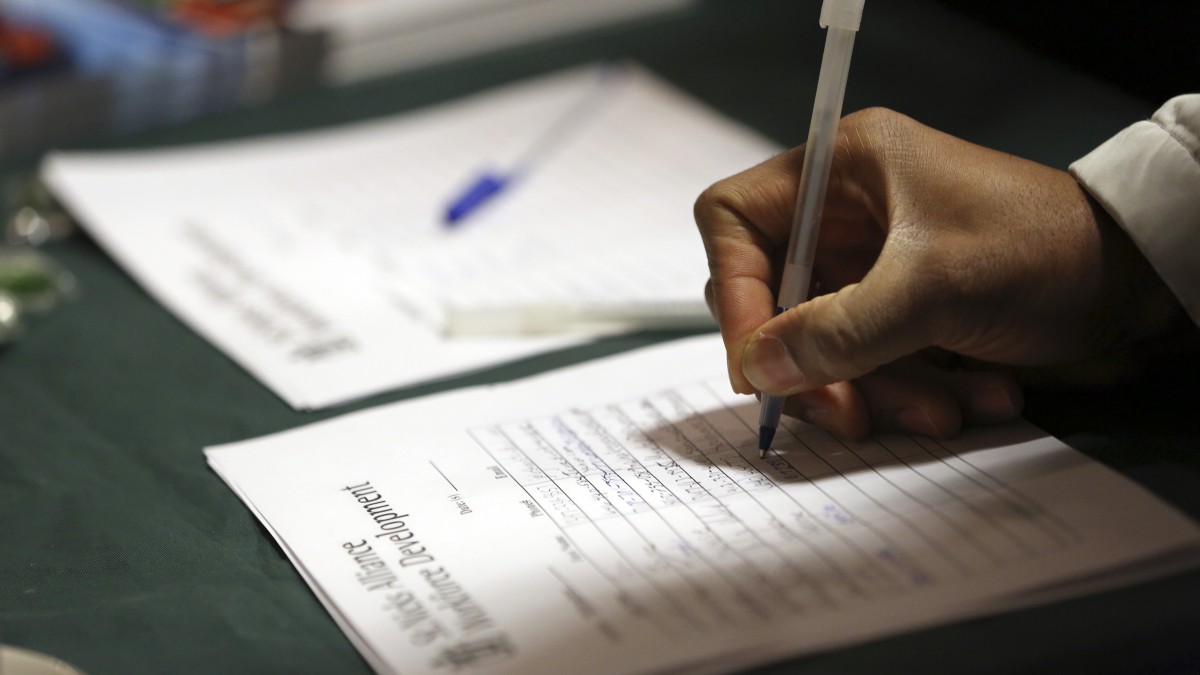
(946, 273)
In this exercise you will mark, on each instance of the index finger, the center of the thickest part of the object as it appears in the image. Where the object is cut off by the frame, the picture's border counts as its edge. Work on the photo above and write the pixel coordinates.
(744, 220)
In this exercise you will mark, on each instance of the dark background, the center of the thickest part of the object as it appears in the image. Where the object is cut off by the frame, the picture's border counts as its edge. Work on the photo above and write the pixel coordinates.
(1149, 48)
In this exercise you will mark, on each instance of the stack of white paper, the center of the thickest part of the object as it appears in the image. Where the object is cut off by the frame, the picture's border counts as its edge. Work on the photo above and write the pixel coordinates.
(320, 261)
(370, 38)
(615, 518)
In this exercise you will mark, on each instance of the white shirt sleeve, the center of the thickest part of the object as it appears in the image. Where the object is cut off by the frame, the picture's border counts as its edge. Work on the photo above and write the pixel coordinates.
(1148, 178)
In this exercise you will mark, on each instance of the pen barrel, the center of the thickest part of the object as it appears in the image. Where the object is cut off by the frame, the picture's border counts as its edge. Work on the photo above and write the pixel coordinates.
(770, 410)
(818, 159)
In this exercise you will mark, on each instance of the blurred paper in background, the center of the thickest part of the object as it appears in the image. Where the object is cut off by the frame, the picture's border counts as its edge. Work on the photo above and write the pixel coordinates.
(321, 261)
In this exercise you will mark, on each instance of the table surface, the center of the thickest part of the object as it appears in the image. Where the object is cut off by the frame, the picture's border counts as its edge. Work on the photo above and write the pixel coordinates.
(121, 552)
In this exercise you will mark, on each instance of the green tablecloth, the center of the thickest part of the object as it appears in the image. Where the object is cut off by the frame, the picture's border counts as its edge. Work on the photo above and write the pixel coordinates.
(121, 552)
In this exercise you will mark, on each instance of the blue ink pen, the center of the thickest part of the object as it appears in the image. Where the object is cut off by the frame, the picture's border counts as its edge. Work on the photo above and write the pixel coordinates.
(490, 183)
(842, 18)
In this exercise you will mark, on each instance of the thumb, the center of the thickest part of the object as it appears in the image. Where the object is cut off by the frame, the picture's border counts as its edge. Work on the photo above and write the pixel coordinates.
(839, 336)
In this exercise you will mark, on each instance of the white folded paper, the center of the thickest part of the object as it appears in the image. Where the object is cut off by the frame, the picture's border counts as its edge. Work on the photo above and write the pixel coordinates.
(615, 518)
(321, 264)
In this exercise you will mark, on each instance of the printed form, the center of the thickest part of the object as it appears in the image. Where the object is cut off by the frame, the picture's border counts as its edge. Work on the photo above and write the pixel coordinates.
(320, 261)
(615, 517)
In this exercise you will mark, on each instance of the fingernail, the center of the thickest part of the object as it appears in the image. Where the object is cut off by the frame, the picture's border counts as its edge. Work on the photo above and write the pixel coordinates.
(769, 366)
(916, 420)
(995, 402)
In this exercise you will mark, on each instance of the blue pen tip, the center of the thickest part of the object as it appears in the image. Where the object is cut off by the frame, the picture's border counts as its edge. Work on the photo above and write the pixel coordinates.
(766, 434)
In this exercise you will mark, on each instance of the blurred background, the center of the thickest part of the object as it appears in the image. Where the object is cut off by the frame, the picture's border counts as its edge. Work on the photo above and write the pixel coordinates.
(1147, 48)
(1022, 76)
(73, 71)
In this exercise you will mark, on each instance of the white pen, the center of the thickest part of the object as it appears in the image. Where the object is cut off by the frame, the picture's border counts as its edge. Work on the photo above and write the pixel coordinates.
(556, 317)
(841, 18)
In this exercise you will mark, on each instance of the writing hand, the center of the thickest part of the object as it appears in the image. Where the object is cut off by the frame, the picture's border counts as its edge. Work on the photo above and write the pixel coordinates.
(946, 273)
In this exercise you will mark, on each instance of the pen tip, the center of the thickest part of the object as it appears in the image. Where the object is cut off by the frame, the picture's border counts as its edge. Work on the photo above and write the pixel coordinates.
(766, 434)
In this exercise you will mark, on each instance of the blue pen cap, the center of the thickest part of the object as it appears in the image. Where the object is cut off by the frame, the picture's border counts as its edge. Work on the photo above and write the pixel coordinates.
(485, 187)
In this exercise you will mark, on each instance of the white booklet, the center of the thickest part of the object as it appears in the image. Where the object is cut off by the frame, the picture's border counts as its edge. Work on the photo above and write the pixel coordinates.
(615, 517)
(322, 264)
